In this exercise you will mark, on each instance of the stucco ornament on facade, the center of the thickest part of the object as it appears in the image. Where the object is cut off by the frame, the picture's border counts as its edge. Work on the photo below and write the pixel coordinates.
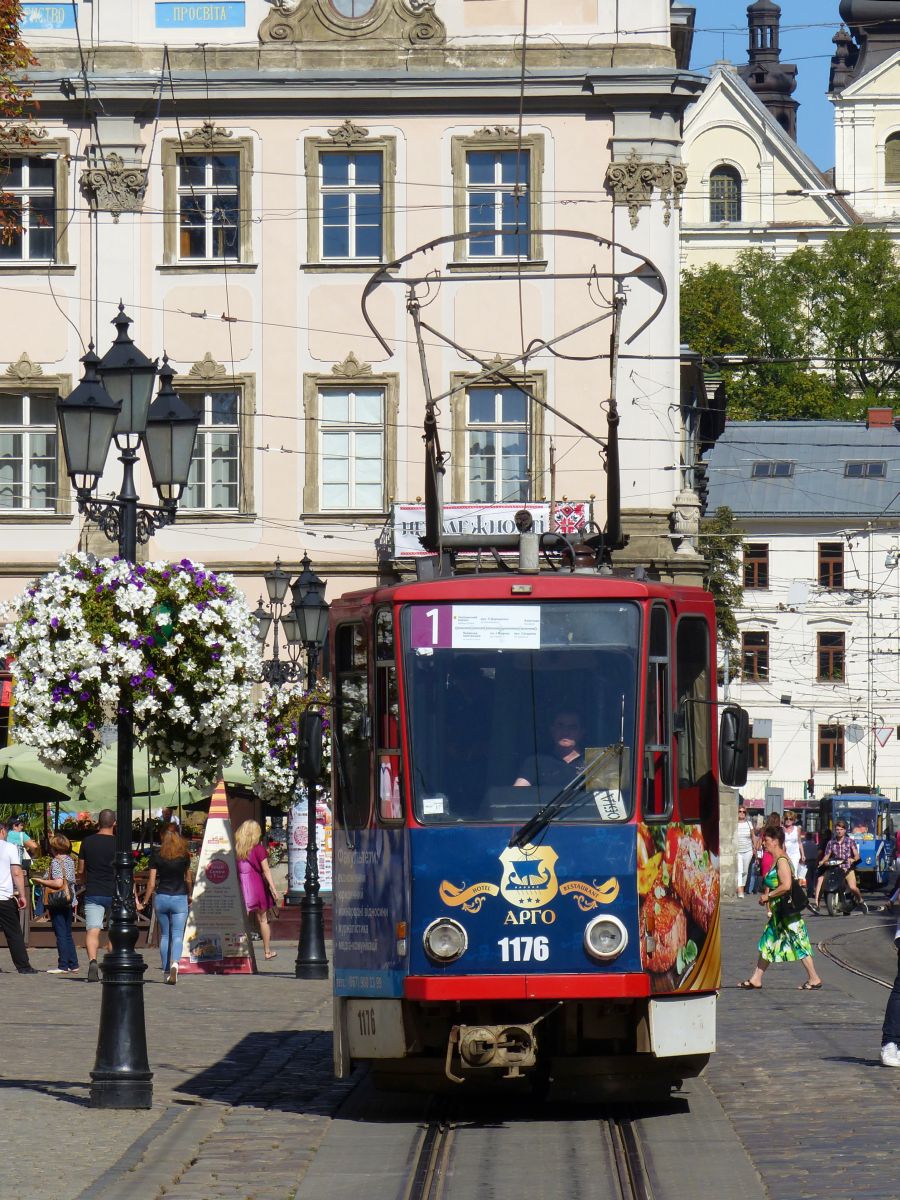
(412, 22)
(351, 367)
(633, 182)
(115, 187)
(347, 133)
(207, 368)
(207, 135)
(24, 369)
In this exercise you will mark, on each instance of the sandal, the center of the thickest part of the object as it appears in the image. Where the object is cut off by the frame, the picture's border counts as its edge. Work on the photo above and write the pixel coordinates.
(272, 954)
(809, 987)
(747, 986)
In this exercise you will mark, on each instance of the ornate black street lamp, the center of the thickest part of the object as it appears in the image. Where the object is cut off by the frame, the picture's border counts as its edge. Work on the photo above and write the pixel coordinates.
(113, 400)
(277, 670)
(311, 612)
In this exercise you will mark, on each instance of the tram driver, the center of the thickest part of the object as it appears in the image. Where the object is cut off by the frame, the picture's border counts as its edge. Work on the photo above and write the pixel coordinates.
(565, 759)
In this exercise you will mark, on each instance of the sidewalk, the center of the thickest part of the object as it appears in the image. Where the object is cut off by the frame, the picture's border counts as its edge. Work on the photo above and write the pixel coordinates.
(243, 1090)
(235, 1059)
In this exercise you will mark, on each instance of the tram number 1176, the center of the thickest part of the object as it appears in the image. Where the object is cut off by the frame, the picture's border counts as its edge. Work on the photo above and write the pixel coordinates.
(524, 949)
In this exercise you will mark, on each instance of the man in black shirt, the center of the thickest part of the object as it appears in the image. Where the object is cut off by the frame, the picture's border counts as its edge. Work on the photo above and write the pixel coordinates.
(96, 869)
(565, 759)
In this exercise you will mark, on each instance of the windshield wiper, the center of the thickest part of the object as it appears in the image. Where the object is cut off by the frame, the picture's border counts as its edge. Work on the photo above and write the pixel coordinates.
(561, 800)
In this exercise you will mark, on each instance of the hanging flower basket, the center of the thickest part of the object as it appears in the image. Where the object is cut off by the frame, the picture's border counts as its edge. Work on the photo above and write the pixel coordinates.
(171, 642)
(270, 751)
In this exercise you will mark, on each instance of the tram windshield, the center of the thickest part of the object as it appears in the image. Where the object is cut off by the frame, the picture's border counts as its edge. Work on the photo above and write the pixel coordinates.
(861, 816)
(508, 703)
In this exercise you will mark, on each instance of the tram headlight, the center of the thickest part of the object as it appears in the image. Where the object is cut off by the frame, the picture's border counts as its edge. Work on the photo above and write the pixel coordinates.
(605, 938)
(445, 940)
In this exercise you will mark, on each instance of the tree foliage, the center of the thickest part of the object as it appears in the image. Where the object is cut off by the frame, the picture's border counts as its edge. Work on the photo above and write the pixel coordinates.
(722, 547)
(821, 328)
(15, 106)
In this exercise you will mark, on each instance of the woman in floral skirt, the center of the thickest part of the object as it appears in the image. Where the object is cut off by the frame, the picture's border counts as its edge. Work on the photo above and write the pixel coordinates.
(785, 938)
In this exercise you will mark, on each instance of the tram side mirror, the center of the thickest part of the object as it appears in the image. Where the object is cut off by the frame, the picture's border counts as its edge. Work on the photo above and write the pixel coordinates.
(734, 746)
(309, 746)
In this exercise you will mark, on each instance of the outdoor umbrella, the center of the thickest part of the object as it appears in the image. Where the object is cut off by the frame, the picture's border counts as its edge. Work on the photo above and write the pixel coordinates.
(25, 779)
(197, 799)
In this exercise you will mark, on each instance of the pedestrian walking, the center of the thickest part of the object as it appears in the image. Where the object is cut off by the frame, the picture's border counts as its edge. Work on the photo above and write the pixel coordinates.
(257, 884)
(97, 870)
(745, 846)
(773, 821)
(793, 843)
(61, 882)
(12, 899)
(171, 881)
(785, 938)
(890, 1030)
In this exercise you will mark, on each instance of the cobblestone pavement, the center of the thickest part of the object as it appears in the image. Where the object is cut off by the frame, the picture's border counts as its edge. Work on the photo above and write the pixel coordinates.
(798, 1073)
(243, 1087)
(243, 1093)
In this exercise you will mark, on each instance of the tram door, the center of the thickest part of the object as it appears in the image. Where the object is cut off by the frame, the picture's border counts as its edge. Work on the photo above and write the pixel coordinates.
(657, 789)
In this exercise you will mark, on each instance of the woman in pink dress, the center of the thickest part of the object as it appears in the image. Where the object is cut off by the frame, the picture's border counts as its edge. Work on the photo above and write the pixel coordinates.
(256, 878)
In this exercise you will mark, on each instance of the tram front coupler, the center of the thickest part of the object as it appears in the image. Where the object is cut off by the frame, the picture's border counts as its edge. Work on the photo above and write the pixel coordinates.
(510, 1048)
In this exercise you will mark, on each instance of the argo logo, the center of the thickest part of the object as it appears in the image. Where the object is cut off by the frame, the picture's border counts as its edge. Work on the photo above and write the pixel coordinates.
(217, 870)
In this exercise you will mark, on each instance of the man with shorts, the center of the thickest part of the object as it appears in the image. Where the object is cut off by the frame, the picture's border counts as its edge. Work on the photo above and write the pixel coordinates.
(97, 871)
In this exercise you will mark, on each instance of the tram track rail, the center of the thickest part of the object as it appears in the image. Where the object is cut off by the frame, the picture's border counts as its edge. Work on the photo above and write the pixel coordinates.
(429, 1176)
(825, 948)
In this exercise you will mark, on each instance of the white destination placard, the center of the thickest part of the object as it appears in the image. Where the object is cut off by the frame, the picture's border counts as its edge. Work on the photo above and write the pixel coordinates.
(496, 627)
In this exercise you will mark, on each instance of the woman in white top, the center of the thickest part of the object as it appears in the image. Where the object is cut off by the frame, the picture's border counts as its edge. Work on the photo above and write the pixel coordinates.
(793, 843)
(745, 846)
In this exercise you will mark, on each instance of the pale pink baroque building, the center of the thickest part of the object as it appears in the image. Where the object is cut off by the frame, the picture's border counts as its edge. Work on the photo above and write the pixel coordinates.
(236, 172)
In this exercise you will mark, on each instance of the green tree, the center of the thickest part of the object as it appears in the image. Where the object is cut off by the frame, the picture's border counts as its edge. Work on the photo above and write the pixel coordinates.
(722, 546)
(854, 298)
(819, 328)
(15, 101)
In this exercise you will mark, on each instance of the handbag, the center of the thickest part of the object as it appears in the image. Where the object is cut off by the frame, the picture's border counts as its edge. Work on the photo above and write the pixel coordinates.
(58, 899)
(794, 902)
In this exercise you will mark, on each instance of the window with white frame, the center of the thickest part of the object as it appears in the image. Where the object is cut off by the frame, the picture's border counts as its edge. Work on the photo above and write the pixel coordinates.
(28, 451)
(209, 206)
(352, 204)
(28, 184)
(351, 449)
(214, 482)
(497, 437)
(498, 204)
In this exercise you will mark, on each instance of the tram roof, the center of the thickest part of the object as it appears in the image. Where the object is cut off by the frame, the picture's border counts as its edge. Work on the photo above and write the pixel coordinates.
(546, 586)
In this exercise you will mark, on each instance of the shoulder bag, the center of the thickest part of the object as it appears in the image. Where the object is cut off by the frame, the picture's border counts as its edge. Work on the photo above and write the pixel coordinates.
(794, 902)
(59, 899)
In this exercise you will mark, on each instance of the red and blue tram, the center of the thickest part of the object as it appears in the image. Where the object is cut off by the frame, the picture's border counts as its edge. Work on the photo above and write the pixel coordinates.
(526, 845)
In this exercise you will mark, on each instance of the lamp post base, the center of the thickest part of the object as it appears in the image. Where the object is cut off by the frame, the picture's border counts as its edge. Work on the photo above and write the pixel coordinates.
(312, 961)
(121, 1077)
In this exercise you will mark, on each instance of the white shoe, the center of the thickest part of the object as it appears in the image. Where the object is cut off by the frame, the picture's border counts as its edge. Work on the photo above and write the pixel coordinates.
(172, 976)
(57, 971)
(890, 1056)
